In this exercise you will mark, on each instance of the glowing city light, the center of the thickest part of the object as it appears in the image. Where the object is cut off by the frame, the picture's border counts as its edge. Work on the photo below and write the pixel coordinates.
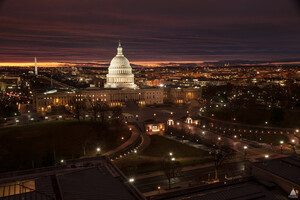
(131, 180)
(266, 156)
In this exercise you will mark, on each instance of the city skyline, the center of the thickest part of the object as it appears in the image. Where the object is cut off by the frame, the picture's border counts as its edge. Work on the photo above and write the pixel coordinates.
(154, 31)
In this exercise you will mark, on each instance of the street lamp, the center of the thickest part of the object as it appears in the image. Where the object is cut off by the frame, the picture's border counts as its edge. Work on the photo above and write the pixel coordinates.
(173, 159)
(281, 146)
(98, 149)
(219, 138)
(158, 189)
(266, 122)
(245, 152)
(293, 141)
(131, 180)
(293, 144)
(266, 156)
(135, 151)
(62, 161)
(171, 154)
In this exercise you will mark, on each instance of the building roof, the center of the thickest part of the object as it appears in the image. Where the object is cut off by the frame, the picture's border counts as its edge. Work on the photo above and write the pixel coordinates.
(92, 184)
(287, 168)
(247, 189)
(152, 121)
(90, 178)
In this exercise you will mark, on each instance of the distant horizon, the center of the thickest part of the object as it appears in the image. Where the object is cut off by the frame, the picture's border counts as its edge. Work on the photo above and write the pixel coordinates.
(145, 63)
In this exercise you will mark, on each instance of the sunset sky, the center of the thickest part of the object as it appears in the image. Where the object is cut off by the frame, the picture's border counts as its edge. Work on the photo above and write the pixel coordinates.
(156, 30)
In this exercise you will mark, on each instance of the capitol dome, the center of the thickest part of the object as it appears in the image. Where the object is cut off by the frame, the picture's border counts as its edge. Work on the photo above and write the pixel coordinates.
(120, 72)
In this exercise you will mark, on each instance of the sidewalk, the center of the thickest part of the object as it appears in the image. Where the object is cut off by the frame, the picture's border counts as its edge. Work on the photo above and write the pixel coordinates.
(161, 173)
(134, 136)
(146, 141)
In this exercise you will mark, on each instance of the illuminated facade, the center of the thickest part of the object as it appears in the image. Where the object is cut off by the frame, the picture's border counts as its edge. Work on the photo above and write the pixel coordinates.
(182, 95)
(45, 102)
(120, 72)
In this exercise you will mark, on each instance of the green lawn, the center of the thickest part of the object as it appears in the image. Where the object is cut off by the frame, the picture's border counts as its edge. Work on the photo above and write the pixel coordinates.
(151, 158)
(134, 165)
(257, 116)
(161, 146)
(265, 138)
(47, 143)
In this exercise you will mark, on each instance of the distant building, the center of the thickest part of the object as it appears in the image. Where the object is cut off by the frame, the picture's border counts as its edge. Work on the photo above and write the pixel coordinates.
(8, 82)
(153, 126)
(180, 95)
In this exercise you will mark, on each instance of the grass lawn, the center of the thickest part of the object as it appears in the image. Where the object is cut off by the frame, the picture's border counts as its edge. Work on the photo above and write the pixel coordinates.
(134, 165)
(161, 146)
(47, 143)
(265, 138)
(151, 158)
(257, 116)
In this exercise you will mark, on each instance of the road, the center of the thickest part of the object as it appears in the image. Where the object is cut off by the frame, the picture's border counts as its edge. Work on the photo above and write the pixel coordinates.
(236, 144)
(187, 177)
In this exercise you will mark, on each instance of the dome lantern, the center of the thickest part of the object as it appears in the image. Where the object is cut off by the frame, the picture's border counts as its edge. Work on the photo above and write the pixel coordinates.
(120, 49)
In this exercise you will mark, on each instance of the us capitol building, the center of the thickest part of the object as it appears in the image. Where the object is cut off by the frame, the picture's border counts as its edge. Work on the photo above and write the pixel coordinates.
(119, 90)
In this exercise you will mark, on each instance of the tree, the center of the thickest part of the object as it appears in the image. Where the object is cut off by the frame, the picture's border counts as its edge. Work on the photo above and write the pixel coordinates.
(117, 115)
(78, 108)
(277, 116)
(7, 105)
(94, 107)
(220, 155)
(171, 169)
(48, 159)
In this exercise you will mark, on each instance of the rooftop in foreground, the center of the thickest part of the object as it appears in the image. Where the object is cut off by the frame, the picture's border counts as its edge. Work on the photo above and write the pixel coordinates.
(89, 179)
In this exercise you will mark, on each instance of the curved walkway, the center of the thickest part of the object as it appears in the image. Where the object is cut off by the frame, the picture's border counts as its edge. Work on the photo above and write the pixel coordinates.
(133, 138)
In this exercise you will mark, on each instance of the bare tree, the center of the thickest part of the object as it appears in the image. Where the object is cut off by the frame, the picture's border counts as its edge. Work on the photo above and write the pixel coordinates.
(117, 115)
(78, 108)
(171, 169)
(103, 111)
(220, 155)
(94, 107)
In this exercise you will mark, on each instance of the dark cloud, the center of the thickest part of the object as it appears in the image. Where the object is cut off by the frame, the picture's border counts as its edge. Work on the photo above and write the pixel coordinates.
(193, 30)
